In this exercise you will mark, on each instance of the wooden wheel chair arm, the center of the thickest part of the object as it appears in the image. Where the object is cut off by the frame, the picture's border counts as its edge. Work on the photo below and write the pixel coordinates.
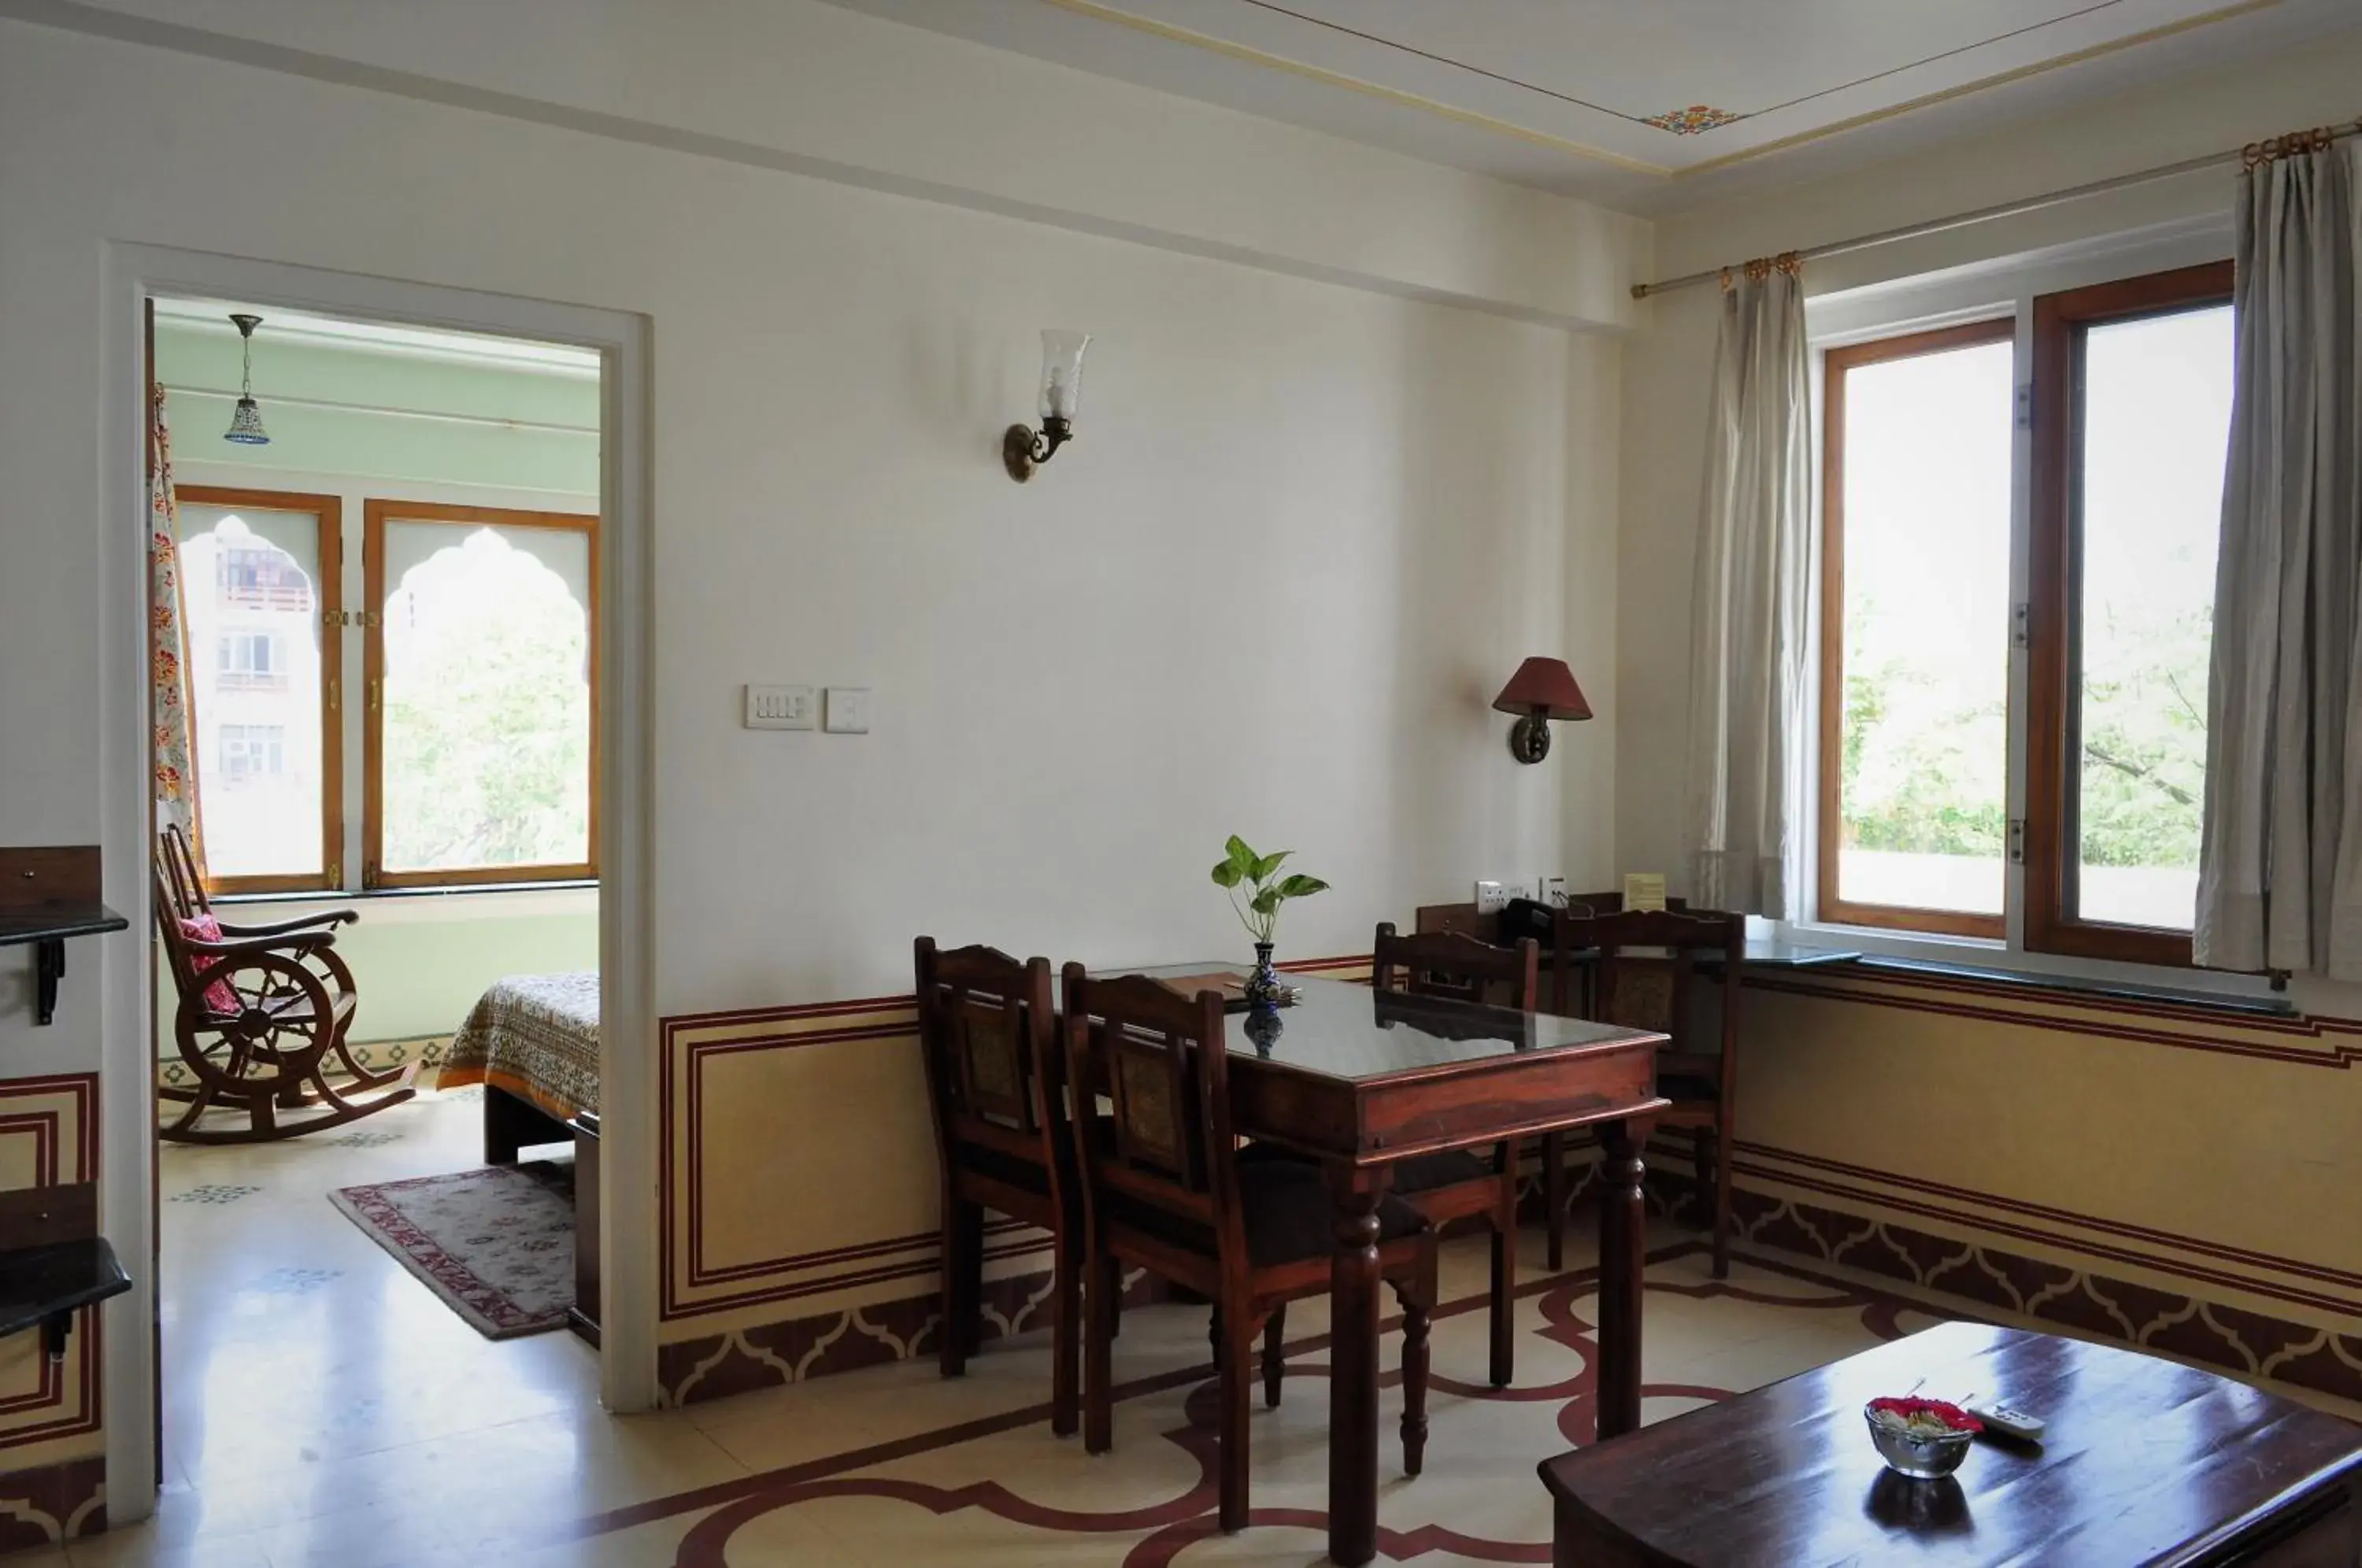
(258, 1019)
(302, 922)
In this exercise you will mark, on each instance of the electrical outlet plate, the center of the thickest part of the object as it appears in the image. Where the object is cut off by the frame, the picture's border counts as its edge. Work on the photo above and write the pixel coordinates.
(1554, 891)
(780, 707)
(1510, 890)
(1491, 898)
(847, 711)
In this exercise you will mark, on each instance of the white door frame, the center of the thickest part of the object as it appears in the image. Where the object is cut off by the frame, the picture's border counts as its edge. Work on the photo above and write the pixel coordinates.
(132, 275)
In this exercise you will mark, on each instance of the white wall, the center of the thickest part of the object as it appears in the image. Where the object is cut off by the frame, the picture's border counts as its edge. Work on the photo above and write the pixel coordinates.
(805, 86)
(1667, 369)
(1305, 532)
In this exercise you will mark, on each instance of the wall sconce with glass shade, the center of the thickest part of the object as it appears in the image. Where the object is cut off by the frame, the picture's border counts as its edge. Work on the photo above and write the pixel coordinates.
(246, 420)
(1542, 689)
(1022, 448)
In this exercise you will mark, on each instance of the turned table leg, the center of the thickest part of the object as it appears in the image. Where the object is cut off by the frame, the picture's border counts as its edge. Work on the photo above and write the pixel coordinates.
(1623, 1247)
(1353, 1365)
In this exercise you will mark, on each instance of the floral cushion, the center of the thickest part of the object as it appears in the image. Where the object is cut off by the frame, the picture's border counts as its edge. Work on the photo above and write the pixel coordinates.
(221, 995)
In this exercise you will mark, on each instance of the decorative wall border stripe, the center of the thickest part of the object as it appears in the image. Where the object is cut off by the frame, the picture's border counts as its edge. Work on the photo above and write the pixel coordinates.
(1857, 988)
(2321, 1272)
(52, 1503)
(73, 1389)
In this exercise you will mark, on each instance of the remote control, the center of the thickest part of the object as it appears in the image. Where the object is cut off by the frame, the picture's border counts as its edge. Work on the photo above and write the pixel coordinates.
(2008, 1422)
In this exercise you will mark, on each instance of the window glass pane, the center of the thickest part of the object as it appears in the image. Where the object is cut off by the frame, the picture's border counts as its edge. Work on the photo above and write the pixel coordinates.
(487, 697)
(1924, 761)
(249, 577)
(2154, 427)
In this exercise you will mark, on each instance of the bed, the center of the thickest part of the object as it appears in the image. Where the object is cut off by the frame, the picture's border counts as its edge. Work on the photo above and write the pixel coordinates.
(533, 1042)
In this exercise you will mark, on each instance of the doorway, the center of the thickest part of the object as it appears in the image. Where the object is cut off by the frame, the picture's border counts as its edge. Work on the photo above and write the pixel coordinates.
(371, 590)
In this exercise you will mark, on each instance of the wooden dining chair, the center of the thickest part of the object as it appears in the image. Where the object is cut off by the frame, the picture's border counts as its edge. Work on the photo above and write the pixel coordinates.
(1164, 1188)
(1463, 1183)
(260, 1011)
(1639, 973)
(996, 1079)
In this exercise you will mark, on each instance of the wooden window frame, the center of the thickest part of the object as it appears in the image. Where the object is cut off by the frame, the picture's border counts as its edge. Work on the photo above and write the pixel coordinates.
(1837, 364)
(2054, 579)
(375, 514)
(328, 512)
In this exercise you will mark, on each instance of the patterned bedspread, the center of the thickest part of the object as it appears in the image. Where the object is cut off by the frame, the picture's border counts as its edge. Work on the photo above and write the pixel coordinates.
(537, 1037)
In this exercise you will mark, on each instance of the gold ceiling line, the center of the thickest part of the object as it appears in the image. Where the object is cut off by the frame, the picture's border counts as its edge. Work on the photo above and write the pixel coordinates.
(1327, 77)
(1252, 56)
(2001, 78)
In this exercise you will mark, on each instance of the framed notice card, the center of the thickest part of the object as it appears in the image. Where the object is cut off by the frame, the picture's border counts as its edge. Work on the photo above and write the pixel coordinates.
(1644, 889)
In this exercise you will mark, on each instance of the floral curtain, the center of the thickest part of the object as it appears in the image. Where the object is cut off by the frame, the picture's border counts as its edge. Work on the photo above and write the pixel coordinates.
(2280, 868)
(1748, 602)
(173, 726)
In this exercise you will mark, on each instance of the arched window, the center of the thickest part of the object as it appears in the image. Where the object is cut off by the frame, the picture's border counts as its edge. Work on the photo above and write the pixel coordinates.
(480, 729)
(258, 572)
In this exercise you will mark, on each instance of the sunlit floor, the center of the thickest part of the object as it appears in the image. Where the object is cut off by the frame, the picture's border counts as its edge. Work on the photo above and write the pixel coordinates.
(321, 1407)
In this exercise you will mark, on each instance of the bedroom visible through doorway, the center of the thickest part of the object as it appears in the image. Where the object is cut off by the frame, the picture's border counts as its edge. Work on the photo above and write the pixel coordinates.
(376, 607)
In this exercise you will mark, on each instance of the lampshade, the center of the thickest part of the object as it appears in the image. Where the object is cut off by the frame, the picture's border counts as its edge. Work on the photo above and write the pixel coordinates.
(1546, 684)
(1062, 373)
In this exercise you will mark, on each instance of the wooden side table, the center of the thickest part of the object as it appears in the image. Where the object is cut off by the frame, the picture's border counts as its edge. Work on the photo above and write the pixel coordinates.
(2145, 1461)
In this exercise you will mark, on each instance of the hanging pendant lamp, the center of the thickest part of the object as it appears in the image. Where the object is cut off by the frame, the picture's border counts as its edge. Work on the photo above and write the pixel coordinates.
(246, 420)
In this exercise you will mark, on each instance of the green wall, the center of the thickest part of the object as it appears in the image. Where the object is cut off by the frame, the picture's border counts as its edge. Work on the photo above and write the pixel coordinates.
(418, 977)
(380, 445)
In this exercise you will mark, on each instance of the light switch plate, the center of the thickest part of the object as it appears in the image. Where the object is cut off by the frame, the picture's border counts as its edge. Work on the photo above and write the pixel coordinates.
(780, 707)
(846, 711)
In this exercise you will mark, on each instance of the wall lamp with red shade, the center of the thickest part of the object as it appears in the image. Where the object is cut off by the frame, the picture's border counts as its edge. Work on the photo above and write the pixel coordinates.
(1542, 689)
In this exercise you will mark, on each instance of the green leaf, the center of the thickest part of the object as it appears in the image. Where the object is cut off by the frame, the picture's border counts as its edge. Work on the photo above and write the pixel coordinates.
(1269, 863)
(1299, 886)
(1267, 901)
(1226, 875)
(1240, 858)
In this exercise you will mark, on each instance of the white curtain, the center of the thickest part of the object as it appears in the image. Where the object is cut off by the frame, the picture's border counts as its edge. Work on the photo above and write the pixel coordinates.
(2280, 881)
(1748, 599)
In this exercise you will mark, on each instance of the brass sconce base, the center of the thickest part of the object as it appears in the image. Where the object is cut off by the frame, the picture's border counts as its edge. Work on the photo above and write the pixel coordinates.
(1022, 449)
(1017, 452)
(1530, 738)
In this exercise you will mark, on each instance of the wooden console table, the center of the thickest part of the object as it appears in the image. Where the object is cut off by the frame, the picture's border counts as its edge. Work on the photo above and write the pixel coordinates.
(2146, 1460)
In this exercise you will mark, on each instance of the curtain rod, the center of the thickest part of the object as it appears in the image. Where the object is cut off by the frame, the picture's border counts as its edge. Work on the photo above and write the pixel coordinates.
(2253, 153)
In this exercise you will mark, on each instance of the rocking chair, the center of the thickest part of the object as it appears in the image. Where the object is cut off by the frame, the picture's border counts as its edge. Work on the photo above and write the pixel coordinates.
(262, 1009)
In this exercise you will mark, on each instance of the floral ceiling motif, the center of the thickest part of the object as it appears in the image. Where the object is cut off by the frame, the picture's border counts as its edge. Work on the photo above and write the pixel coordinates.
(1691, 121)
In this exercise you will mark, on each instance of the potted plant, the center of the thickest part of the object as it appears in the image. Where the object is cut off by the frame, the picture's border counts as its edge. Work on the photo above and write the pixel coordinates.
(1265, 890)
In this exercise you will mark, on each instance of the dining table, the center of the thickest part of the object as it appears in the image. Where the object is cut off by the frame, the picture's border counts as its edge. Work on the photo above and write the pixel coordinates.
(1362, 1079)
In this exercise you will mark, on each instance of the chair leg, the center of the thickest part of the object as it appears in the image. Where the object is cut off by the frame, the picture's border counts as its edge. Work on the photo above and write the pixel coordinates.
(1237, 1374)
(963, 1272)
(1505, 1275)
(1722, 1201)
(1275, 1334)
(1101, 1276)
(1065, 1328)
(1702, 1162)
(1554, 1195)
(1418, 1301)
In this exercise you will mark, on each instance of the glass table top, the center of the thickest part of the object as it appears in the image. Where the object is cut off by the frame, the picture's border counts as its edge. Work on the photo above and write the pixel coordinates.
(1342, 1030)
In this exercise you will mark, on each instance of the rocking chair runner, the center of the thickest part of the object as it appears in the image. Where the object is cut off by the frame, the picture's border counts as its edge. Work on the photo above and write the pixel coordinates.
(262, 1007)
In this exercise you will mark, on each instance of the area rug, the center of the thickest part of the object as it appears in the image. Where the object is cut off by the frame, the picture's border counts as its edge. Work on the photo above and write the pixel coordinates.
(497, 1245)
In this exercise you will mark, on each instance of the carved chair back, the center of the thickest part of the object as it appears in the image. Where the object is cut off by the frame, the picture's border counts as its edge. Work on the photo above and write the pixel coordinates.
(1458, 967)
(1160, 1059)
(987, 1028)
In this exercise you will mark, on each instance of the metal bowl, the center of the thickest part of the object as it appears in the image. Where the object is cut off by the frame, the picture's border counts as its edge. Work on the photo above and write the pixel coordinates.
(1921, 1457)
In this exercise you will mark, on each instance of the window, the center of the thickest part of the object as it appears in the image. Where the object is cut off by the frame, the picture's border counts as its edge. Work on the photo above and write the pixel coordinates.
(2129, 414)
(1915, 633)
(2132, 418)
(259, 581)
(481, 745)
(476, 740)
